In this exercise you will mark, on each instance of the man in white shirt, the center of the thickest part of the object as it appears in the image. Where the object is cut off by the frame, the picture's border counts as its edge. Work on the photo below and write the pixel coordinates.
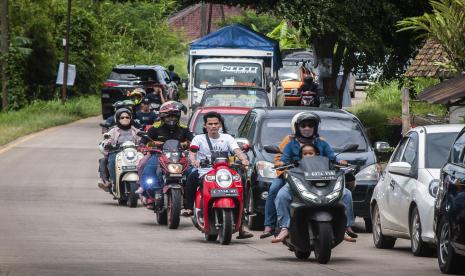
(222, 144)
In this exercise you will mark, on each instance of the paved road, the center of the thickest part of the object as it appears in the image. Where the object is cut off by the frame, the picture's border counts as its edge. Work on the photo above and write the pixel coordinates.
(55, 221)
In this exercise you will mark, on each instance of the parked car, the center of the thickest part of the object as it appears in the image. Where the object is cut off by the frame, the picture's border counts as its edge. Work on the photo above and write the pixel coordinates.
(124, 78)
(268, 126)
(403, 200)
(232, 117)
(239, 96)
(449, 211)
(292, 79)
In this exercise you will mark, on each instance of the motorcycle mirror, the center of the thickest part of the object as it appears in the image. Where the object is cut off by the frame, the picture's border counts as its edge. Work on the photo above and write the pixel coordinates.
(272, 149)
(142, 134)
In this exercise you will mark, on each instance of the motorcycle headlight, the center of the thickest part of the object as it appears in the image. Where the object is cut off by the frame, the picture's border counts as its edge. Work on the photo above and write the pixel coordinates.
(174, 168)
(223, 178)
(130, 155)
(339, 183)
(433, 187)
(333, 195)
(369, 173)
(303, 191)
(265, 169)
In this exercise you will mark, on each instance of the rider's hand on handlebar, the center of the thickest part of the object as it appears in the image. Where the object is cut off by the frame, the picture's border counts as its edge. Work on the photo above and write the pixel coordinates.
(245, 163)
(155, 144)
(343, 162)
(196, 163)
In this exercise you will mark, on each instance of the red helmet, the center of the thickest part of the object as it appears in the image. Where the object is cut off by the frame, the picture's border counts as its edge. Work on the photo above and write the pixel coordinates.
(172, 108)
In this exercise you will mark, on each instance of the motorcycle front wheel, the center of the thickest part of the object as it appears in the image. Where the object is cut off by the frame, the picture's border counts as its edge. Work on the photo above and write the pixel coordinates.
(174, 208)
(225, 232)
(324, 242)
(133, 198)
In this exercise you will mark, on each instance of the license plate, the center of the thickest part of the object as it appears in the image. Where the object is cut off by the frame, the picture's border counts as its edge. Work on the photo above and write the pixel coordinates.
(320, 175)
(224, 192)
(105, 96)
(129, 167)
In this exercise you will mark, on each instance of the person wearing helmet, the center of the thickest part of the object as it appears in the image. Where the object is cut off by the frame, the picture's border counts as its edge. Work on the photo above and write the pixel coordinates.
(306, 132)
(136, 97)
(166, 129)
(276, 185)
(122, 132)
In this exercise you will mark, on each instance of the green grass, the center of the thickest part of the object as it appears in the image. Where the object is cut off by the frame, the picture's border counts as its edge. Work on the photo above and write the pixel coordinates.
(41, 115)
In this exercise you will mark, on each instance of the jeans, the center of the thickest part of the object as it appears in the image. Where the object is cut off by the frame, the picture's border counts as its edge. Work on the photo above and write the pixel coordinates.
(150, 179)
(103, 168)
(270, 207)
(284, 198)
(193, 181)
(111, 166)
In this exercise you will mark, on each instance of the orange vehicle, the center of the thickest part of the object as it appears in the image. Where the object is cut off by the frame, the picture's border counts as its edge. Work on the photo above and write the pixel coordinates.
(292, 78)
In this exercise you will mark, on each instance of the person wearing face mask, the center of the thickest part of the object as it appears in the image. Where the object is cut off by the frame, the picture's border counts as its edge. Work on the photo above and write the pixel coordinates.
(123, 131)
(166, 129)
(306, 133)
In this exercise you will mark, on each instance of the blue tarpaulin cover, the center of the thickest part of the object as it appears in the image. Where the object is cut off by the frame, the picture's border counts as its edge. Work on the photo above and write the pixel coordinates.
(238, 36)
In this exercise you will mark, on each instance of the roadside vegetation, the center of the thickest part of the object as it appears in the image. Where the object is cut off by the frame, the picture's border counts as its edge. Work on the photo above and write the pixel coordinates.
(40, 115)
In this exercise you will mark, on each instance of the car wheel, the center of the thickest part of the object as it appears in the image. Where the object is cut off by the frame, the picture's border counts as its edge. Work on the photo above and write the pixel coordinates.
(449, 261)
(419, 247)
(254, 220)
(380, 240)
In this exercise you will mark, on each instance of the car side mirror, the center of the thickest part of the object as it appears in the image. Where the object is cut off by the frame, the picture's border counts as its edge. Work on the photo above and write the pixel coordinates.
(402, 168)
(382, 147)
(272, 149)
(243, 143)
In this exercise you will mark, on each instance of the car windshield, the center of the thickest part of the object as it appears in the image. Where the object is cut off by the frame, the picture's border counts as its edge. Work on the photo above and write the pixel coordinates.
(241, 98)
(133, 75)
(288, 73)
(222, 74)
(232, 122)
(437, 148)
(337, 132)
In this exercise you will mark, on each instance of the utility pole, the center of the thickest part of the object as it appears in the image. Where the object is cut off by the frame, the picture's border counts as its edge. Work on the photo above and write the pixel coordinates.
(203, 19)
(64, 88)
(4, 45)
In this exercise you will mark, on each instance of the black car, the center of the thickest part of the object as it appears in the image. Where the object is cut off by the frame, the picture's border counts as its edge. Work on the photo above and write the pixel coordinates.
(449, 211)
(268, 126)
(124, 78)
(237, 96)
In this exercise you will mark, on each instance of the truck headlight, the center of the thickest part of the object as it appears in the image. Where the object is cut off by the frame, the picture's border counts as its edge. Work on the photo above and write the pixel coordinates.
(265, 169)
(369, 173)
(223, 178)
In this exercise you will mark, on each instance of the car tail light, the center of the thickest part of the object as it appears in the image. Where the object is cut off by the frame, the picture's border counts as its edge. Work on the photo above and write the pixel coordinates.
(109, 84)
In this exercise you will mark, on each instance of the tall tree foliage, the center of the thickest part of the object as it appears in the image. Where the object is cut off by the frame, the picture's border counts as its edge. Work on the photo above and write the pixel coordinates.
(446, 25)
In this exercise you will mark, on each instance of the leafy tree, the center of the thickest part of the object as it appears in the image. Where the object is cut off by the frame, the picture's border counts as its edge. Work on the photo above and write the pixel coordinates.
(446, 25)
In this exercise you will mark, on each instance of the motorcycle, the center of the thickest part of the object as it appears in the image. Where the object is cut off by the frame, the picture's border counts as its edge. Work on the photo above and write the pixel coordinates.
(126, 162)
(173, 163)
(318, 220)
(309, 98)
(218, 204)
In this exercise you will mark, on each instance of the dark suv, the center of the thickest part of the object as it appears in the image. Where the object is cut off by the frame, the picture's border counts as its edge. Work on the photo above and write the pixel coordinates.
(449, 211)
(268, 126)
(124, 78)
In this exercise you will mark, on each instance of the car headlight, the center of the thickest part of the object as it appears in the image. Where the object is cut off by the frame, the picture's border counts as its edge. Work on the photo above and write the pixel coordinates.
(130, 155)
(433, 187)
(174, 168)
(369, 173)
(265, 169)
(223, 178)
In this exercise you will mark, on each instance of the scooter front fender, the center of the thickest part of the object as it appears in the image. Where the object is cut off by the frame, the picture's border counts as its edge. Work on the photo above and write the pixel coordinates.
(130, 176)
(225, 202)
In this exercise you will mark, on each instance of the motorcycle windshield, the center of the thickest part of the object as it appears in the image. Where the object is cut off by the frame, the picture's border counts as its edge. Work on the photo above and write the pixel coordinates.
(171, 149)
(314, 164)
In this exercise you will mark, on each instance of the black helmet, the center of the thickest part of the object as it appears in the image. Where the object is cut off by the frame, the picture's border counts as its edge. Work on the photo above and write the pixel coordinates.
(118, 114)
(306, 116)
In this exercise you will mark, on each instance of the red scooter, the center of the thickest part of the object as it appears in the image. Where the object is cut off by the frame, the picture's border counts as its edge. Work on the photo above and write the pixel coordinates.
(218, 206)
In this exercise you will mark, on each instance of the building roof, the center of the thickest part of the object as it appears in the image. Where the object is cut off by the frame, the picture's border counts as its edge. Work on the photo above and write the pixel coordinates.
(426, 62)
(447, 92)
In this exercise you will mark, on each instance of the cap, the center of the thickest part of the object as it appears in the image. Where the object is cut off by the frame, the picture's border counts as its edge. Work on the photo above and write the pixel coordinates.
(145, 101)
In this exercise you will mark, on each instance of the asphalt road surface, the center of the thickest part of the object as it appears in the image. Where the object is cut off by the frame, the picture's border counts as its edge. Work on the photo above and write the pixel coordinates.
(55, 221)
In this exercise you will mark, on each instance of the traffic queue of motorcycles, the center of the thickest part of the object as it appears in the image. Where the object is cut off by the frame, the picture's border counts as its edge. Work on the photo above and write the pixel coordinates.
(317, 224)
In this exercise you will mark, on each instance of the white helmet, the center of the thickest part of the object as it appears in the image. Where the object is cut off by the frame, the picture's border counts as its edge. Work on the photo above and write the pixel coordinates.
(294, 120)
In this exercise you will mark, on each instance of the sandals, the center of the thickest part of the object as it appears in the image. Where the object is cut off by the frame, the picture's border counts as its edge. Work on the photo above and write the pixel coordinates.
(349, 239)
(187, 213)
(244, 235)
(268, 232)
(351, 233)
(282, 236)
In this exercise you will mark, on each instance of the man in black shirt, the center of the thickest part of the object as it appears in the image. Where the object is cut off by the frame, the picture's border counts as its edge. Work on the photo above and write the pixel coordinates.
(144, 115)
(173, 75)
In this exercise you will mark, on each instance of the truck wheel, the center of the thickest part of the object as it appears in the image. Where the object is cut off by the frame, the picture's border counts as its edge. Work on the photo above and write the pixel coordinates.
(226, 228)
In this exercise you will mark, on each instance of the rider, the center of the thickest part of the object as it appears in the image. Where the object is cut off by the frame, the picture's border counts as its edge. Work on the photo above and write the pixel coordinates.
(156, 96)
(221, 144)
(306, 132)
(136, 96)
(144, 115)
(310, 85)
(166, 129)
(123, 132)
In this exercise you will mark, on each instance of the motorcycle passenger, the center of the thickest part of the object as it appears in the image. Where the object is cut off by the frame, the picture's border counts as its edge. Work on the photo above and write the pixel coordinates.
(144, 115)
(136, 97)
(306, 132)
(166, 129)
(123, 131)
(212, 143)
(156, 96)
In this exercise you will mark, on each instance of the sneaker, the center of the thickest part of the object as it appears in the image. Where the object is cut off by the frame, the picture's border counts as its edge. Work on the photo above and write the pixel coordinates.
(282, 236)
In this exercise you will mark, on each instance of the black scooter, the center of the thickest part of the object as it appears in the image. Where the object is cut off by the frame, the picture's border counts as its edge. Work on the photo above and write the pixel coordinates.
(318, 220)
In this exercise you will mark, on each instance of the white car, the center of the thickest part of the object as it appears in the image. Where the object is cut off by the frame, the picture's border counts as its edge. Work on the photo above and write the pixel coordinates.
(402, 205)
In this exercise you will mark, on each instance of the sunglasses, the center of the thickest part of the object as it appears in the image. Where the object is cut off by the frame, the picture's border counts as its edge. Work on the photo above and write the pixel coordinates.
(124, 117)
(304, 125)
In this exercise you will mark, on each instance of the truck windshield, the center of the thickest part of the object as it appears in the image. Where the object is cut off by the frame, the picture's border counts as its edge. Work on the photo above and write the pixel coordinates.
(223, 74)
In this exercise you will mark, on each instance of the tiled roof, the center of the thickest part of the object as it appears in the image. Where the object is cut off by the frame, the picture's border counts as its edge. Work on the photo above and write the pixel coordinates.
(446, 92)
(425, 63)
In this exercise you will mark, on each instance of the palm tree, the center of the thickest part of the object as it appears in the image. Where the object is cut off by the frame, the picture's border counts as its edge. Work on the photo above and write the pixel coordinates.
(445, 25)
